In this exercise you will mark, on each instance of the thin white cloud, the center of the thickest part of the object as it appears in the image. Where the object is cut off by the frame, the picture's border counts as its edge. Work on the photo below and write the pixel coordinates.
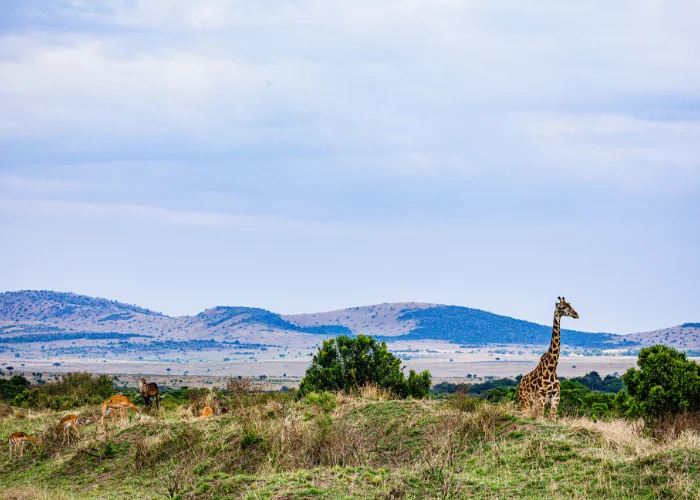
(405, 87)
(67, 209)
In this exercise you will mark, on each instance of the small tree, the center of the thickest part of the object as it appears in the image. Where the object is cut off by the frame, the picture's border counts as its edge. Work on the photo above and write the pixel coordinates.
(346, 364)
(666, 382)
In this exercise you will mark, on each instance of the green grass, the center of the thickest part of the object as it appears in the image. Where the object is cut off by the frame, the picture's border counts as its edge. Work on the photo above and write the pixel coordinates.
(274, 447)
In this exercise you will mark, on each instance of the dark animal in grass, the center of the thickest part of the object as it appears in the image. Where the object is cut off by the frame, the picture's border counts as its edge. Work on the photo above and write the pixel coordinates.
(148, 391)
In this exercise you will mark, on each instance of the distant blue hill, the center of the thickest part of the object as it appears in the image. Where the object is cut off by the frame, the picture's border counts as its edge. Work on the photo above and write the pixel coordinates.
(463, 325)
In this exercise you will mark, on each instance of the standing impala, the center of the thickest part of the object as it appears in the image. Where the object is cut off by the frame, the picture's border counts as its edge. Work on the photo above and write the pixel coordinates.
(18, 439)
(118, 403)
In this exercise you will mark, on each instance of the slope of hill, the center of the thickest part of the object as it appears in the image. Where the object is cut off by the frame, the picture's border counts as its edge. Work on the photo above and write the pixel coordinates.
(377, 320)
(47, 316)
(459, 325)
(468, 326)
(344, 447)
(685, 336)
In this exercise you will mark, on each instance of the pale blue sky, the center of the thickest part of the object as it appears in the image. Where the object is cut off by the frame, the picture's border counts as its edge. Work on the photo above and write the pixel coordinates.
(312, 155)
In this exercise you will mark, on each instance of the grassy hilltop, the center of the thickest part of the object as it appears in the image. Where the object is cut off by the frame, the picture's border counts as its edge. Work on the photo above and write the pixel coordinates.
(335, 446)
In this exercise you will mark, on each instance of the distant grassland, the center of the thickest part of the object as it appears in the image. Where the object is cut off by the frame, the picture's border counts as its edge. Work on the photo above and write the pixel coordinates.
(335, 446)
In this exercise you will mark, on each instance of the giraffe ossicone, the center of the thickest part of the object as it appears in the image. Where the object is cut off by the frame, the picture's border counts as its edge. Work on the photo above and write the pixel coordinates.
(541, 385)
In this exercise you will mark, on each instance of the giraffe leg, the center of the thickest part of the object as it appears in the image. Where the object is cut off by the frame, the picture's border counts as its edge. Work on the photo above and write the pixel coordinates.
(555, 401)
(541, 402)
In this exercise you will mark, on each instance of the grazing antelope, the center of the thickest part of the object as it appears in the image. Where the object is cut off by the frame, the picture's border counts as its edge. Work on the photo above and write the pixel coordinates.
(118, 403)
(65, 425)
(18, 439)
(148, 391)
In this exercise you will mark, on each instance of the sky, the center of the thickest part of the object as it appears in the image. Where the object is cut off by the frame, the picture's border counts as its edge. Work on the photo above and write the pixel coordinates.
(312, 155)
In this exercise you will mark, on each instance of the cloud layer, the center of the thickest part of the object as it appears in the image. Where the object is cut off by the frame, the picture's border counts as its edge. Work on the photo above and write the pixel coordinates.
(456, 121)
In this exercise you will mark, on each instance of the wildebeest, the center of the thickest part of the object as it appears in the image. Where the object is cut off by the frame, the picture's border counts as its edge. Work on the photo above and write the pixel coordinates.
(149, 390)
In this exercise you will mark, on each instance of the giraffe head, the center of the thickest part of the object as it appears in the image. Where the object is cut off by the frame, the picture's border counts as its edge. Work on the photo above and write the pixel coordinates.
(565, 309)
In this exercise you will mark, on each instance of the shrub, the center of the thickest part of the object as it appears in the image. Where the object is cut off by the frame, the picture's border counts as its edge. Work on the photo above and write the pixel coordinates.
(347, 364)
(71, 390)
(666, 383)
(9, 389)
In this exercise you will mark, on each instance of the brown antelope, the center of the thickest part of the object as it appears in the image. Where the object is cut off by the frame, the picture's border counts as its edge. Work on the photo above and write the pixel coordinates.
(206, 412)
(65, 425)
(18, 439)
(148, 391)
(118, 403)
(218, 409)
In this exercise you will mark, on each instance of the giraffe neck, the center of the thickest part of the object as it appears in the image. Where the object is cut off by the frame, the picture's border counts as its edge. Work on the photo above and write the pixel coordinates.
(556, 337)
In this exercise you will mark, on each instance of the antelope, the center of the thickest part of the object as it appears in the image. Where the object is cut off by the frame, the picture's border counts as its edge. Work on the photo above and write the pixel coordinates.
(18, 439)
(218, 408)
(65, 425)
(118, 403)
(149, 390)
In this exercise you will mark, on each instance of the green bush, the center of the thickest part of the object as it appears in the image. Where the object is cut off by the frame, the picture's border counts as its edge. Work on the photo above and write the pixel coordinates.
(9, 389)
(666, 382)
(346, 364)
(74, 389)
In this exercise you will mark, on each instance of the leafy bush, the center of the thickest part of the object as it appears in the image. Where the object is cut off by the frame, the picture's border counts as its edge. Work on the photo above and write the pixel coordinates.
(666, 382)
(347, 364)
(72, 390)
(12, 387)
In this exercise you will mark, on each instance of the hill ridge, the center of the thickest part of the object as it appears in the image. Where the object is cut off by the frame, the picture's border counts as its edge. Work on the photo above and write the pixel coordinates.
(28, 312)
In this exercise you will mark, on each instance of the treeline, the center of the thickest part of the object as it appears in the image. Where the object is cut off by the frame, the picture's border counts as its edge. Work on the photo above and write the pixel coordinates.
(53, 337)
(666, 383)
(592, 381)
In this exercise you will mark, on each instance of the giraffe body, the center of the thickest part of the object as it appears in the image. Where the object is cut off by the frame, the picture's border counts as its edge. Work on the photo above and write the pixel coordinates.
(541, 386)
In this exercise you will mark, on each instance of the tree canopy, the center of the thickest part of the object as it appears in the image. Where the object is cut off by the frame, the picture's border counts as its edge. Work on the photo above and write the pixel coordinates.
(665, 383)
(345, 364)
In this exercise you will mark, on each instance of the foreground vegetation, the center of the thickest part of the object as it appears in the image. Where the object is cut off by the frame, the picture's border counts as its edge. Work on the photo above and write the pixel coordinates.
(359, 428)
(273, 445)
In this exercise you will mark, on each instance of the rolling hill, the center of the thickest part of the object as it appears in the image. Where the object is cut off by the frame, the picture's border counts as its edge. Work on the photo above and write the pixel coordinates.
(685, 336)
(47, 316)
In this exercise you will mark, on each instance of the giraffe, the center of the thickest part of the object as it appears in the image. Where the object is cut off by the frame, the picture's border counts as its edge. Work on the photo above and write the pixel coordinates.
(542, 384)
